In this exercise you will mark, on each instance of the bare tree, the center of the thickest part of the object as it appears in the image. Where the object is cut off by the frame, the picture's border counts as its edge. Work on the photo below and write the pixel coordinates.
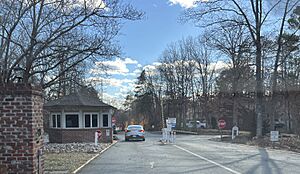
(177, 71)
(289, 5)
(205, 64)
(254, 14)
(233, 42)
(47, 38)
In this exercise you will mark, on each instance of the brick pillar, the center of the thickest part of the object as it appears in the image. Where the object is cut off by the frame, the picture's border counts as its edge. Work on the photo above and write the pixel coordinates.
(21, 129)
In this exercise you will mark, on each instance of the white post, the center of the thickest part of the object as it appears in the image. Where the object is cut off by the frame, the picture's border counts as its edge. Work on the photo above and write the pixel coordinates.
(96, 138)
(174, 136)
(165, 134)
(234, 132)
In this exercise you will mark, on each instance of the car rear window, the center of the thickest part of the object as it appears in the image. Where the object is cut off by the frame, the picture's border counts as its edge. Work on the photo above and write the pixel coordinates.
(134, 127)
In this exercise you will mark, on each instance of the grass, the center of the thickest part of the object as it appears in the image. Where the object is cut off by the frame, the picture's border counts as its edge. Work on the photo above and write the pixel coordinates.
(65, 161)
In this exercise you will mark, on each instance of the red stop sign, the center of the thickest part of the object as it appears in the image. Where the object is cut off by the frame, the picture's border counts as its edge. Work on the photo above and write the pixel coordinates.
(221, 124)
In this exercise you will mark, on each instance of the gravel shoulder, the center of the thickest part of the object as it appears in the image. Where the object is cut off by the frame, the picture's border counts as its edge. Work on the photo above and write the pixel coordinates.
(65, 162)
(66, 158)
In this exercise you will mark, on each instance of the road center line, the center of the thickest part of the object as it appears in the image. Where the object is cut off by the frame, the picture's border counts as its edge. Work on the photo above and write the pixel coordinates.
(208, 160)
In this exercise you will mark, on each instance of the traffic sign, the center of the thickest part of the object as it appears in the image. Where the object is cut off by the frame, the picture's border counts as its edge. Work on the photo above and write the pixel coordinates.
(221, 124)
(172, 121)
(274, 136)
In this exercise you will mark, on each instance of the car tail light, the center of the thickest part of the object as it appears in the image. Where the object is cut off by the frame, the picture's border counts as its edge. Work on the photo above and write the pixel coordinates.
(127, 130)
(142, 131)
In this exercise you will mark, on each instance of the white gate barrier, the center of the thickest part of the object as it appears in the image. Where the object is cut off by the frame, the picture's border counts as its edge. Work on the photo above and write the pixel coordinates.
(169, 136)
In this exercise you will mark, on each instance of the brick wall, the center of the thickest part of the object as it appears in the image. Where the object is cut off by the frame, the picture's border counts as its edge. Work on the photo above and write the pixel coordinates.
(78, 135)
(21, 127)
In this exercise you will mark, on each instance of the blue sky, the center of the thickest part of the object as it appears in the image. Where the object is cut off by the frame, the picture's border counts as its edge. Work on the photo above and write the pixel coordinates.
(146, 39)
(142, 44)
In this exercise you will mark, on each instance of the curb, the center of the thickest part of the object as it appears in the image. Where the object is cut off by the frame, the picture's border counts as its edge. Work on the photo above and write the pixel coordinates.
(186, 132)
(79, 168)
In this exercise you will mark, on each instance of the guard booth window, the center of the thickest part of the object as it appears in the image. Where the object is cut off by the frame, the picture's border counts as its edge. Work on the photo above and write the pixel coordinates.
(90, 120)
(56, 120)
(87, 120)
(94, 120)
(105, 120)
(72, 120)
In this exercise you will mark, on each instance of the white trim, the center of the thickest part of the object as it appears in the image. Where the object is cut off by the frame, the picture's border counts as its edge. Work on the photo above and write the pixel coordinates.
(109, 120)
(63, 119)
(100, 120)
(80, 119)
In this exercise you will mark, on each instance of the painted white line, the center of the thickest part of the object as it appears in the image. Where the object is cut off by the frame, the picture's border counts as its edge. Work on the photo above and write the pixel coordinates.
(152, 164)
(208, 160)
(79, 168)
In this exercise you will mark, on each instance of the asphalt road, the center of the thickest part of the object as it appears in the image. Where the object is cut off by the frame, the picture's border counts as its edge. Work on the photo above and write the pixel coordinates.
(191, 154)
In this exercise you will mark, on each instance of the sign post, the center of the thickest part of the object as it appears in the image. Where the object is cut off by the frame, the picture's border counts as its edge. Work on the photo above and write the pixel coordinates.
(234, 132)
(221, 125)
(274, 136)
(168, 134)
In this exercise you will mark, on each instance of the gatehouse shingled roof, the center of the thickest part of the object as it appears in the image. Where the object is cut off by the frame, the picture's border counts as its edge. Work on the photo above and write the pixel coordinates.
(83, 97)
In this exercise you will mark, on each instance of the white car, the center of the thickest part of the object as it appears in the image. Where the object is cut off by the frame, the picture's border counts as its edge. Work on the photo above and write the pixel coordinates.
(136, 132)
(200, 124)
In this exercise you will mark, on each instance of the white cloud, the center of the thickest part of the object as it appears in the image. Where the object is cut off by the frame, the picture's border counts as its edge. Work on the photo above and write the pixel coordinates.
(219, 65)
(184, 3)
(115, 67)
(130, 61)
(156, 63)
(94, 3)
(112, 82)
(137, 72)
(149, 67)
(112, 100)
(152, 69)
(91, 4)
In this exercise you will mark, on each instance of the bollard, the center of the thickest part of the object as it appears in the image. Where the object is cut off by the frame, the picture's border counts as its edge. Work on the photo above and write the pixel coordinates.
(234, 132)
(174, 136)
(96, 138)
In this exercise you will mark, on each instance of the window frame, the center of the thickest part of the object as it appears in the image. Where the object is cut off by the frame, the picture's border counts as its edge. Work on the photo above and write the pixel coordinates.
(91, 114)
(56, 120)
(103, 120)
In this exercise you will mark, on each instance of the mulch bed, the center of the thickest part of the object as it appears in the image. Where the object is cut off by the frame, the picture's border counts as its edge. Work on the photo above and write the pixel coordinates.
(291, 143)
(285, 143)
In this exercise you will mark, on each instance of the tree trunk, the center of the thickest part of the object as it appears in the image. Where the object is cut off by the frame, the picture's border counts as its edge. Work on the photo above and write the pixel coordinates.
(259, 90)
